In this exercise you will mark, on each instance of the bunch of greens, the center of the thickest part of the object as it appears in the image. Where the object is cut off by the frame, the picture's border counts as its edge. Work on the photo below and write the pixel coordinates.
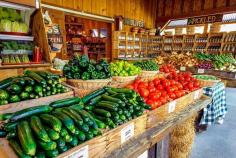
(123, 68)
(148, 65)
(80, 67)
(13, 45)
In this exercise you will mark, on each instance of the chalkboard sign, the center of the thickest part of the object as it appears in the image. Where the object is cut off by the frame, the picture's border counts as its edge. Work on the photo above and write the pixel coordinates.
(205, 19)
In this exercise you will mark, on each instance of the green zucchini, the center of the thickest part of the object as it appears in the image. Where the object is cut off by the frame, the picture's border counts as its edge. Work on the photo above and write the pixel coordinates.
(67, 138)
(29, 81)
(74, 115)
(52, 153)
(30, 111)
(51, 121)
(63, 132)
(89, 135)
(6, 82)
(111, 99)
(47, 145)
(77, 106)
(62, 149)
(60, 142)
(74, 141)
(67, 121)
(10, 126)
(35, 76)
(3, 133)
(53, 135)
(92, 95)
(95, 132)
(19, 81)
(16, 147)
(83, 114)
(40, 154)
(102, 112)
(100, 124)
(26, 139)
(11, 134)
(81, 136)
(5, 116)
(38, 128)
(122, 90)
(84, 128)
(107, 106)
(65, 102)
(95, 100)
(111, 92)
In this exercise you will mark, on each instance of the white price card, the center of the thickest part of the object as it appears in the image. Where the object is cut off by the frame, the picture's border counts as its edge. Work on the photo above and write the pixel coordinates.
(171, 107)
(182, 68)
(235, 76)
(143, 155)
(81, 153)
(200, 71)
(127, 133)
(196, 94)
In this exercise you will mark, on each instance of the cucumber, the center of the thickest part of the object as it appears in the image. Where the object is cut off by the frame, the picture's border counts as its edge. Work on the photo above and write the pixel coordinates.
(10, 126)
(6, 82)
(60, 142)
(51, 121)
(63, 132)
(111, 92)
(47, 145)
(88, 107)
(62, 149)
(77, 106)
(107, 106)
(92, 95)
(100, 124)
(84, 128)
(65, 102)
(5, 116)
(52, 153)
(11, 134)
(29, 81)
(111, 99)
(67, 138)
(102, 112)
(74, 115)
(76, 131)
(122, 90)
(26, 139)
(53, 135)
(95, 100)
(95, 132)
(16, 147)
(3, 133)
(91, 121)
(81, 136)
(30, 111)
(89, 135)
(40, 154)
(35, 76)
(74, 141)
(67, 121)
(37, 127)
(122, 117)
(19, 81)
(120, 96)
(83, 114)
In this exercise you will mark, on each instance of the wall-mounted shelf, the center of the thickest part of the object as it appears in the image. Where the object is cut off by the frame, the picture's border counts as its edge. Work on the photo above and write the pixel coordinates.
(15, 37)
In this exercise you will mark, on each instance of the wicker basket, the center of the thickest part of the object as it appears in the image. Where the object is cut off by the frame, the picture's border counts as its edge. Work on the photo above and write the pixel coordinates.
(120, 81)
(208, 83)
(148, 75)
(89, 84)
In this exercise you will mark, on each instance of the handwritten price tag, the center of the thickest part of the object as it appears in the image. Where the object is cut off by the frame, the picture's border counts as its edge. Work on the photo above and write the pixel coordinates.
(200, 71)
(143, 155)
(196, 94)
(81, 153)
(182, 68)
(171, 107)
(127, 133)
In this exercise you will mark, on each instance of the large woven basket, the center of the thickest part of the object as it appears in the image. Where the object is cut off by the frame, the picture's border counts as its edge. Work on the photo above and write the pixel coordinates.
(208, 83)
(120, 81)
(88, 84)
(148, 74)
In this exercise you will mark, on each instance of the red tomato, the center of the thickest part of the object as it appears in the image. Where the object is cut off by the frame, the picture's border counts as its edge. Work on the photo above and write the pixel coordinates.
(162, 100)
(163, 93)
(138, 80)
(166, 83)
(130, 86)
(190, 85)
(152, 89)
(172, 95)
(179, 86)
(156, 81)
(149, 102)
(178, 94)
(187, 79)
(196, 84)
(170, 89)
(151, 84)
(143, 92)
(159, 87)
(172, 82)
(142, 85)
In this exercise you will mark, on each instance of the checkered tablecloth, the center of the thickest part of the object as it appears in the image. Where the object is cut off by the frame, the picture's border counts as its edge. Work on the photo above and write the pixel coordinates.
(217, 109)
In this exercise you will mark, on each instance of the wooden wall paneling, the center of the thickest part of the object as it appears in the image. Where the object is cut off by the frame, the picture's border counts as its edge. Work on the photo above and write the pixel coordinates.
(99, 7)
(78, 4)
(232, 2)
(68, 4)
(188, 7)
(154, 12)
(53, 2)
(87, 5)
(168, 8)
(160, 7)
(197, 5)
(132, 12)
(220, 3)
(23, 2)
(208, 4)
(177, 7)
(110, 4)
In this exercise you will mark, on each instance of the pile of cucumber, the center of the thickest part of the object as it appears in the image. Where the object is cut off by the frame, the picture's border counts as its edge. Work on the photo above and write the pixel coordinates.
(115, 106)
(33, 84)
(48, 130)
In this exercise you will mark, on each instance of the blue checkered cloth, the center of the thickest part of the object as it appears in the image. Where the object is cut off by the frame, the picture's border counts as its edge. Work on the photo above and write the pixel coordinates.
(217, 108)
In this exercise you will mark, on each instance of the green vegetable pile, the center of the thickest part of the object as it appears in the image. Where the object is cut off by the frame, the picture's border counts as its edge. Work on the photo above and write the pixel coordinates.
(219, 61)
(33, 84)
(11, 21)
(48, 130)
(124, 68)
(80, 67)
(147, 65)
(205, 77)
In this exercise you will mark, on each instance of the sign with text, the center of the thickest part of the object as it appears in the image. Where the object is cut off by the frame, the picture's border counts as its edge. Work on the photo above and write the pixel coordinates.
(127, 133)
(133, 22)
(205, 19)
(81, 153)
(171, 107)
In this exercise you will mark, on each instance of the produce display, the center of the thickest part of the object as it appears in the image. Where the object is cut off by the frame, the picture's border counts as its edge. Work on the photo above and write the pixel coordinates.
(161, 90)
(124, 68)
(205, 77)
(80, 67)
(205, 65)
(33, 84)
(11, 21)
(167, 68)
(220, 62)
(147, 65)
(48, 130)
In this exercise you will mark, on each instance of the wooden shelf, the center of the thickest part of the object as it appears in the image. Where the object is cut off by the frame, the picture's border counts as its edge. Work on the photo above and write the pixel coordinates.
(16, 37)
(24, 66)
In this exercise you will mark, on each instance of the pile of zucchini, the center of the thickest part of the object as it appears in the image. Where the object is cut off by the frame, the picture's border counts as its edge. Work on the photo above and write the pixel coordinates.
(33, 84)
(115, 106)
(48, 130)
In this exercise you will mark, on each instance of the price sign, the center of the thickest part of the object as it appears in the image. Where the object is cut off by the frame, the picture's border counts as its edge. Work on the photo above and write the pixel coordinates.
(235, 76)
(171, 107)
(196, 94)
(200, 71)
(127, 133)
(182, 68)
(81, 153)
(143, 155)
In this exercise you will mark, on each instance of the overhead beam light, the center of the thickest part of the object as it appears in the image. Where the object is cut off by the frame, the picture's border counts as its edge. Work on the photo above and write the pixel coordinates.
(14, 6)
(80, 13)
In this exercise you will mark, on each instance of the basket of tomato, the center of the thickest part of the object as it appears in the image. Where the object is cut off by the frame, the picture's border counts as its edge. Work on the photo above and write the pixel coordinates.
(207, 80)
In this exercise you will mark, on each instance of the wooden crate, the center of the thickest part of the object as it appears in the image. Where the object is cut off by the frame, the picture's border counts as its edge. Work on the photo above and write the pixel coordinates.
(13, 107)
(115, 137)
(158, 115)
